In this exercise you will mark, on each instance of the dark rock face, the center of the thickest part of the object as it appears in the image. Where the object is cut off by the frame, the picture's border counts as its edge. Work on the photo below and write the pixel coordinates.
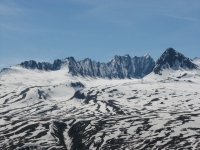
(118, 67)
(144, 65)
(77, 84)
(173, 60)
(56, 65)
(34, 65)
(127, 67)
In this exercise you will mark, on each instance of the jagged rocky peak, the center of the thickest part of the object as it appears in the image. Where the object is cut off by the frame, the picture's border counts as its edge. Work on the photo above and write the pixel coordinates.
(120, 60)
(147, 56)
(56, 64)
(31, 64)
(68, 61)
(127, 55)
(144, 65)
(171, 59)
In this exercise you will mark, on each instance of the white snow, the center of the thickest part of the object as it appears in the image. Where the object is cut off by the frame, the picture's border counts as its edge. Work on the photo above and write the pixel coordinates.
(32, 97)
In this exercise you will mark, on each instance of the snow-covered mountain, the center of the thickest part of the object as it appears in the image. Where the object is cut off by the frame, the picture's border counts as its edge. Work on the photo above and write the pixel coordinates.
(171, 59)
(62, 107)
(118, 67)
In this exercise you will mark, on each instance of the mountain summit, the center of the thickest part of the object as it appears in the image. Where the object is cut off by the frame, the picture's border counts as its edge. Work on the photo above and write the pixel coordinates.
(171, 59)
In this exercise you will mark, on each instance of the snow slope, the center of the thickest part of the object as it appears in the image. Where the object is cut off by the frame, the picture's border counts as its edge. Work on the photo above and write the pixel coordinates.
(55, 110)
(196, 61)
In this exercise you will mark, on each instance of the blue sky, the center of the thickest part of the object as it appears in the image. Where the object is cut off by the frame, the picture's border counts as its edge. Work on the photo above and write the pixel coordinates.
(44, 30)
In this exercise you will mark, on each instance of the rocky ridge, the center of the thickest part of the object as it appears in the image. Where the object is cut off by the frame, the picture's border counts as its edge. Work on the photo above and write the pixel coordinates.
(118, 67)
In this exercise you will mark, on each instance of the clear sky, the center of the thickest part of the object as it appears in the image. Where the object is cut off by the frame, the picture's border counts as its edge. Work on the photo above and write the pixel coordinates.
(44, 30)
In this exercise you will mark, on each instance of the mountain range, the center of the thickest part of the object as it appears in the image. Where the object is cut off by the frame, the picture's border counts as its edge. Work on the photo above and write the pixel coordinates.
(118, 67)
(127, 103)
